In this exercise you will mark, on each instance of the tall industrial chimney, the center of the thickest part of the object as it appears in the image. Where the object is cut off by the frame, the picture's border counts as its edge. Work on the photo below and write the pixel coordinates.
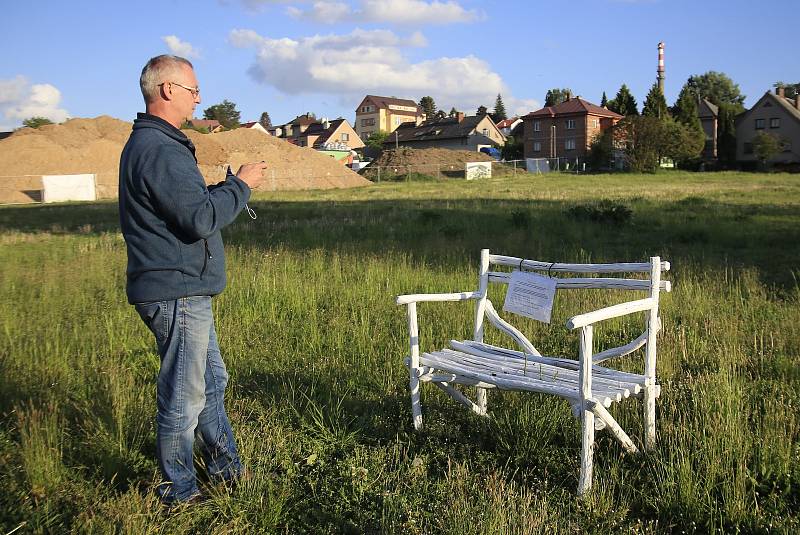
(660, 71)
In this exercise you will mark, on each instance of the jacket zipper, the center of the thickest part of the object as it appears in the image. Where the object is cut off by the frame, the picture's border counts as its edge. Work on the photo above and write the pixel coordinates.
(206, 257)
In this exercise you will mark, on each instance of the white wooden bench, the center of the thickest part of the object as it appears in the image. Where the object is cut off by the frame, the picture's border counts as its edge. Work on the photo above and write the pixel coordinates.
(589, 387)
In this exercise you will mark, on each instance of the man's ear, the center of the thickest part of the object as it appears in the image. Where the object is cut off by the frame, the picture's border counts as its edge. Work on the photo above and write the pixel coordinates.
(166, 91)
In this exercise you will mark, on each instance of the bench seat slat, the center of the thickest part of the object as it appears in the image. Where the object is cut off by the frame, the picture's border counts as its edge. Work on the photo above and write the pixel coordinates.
(509, 382)
(540, 371)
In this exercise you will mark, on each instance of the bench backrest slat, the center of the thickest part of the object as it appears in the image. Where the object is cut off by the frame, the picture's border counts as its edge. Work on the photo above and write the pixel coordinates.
(555, 267)
(504, 277)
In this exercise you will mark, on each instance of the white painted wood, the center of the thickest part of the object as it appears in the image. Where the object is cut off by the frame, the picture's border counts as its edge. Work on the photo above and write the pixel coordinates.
(555, 267)
(621, 350)
(587, 416)
(613, 427)
(480, 311)
(608, 283)
(653, 324)
(587, 386)
(510, 330)
(615, 311)
(469, 346)
(461, 398)
(419, 298)
(612, 388)
(413, 380)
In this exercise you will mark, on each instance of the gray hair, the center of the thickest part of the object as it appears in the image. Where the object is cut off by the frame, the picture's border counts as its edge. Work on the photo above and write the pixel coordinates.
(156, 72)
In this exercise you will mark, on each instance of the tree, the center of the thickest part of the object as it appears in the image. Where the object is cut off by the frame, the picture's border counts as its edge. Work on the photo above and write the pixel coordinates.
(765, 146)
(641, 137)
(453, 112)
(685, 112)
(36, 122)
(482, 110)
(428, 107)
(604, 100)
(726, 133)
(376, 139)
(556, 96)
(717, 87)
(440, 114)
(624, 103)
(265, 121)
(655, 105)
(512, 150)
(499, 110)
(789, 90)
(680, 142)
(225, 113)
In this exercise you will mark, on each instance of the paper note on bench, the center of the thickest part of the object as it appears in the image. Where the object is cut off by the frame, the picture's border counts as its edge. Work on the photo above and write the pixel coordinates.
(530, 295)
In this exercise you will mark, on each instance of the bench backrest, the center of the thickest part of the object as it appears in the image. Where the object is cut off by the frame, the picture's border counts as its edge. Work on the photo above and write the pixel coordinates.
(652, 284)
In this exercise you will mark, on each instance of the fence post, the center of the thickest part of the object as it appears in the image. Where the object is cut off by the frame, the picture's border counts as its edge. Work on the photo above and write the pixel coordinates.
(379, 174)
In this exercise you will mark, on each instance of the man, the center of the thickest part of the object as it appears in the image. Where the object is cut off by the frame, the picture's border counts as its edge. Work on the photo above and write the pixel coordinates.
(171, 223)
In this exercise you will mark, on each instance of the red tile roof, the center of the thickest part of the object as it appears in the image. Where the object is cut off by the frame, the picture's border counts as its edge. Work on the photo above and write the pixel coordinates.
(574, 106)
(506, 123)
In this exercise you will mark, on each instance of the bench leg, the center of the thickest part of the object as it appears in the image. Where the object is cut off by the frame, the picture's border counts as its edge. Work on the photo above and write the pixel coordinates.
(416, 407)
(481, 399)
(587, 452)
(650, 394)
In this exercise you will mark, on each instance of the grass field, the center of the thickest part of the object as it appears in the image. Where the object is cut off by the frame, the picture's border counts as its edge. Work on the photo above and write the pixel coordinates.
(318, 393)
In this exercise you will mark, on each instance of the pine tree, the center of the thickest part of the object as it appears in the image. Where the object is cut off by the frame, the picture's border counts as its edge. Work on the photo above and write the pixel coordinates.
(482, 110)
(453, 112)
(428, 107)
(604, 100)
(225, 112)
(624, 103)
(499, 110)
(556, 96)
(265, 121)
(655, 105)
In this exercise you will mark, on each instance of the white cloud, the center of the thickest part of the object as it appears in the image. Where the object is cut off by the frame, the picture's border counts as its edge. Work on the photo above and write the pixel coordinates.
(19, 100)
(181, 48)
(387, 11)
(369, 61)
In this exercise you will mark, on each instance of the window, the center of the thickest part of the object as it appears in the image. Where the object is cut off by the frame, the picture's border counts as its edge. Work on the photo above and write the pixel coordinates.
(569, 144)
(570, 123)
(366, 109)
(366, 134)
(759, 124)
(537, 147)
(787, 145)
(485, 132)
(775, 122)
(748, 148)
(367, 122)
(345, 137)
(537, 126)
(595, 123)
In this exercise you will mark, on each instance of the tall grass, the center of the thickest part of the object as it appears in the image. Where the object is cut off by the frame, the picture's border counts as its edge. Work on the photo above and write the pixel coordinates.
(318, 396)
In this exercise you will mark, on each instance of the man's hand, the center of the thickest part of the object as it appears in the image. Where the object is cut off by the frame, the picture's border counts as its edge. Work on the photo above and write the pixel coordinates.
(252, 173)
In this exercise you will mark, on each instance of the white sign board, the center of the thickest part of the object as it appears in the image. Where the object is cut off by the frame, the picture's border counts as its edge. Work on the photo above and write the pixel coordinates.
(478, 170)
(59, 188)
(530, 295)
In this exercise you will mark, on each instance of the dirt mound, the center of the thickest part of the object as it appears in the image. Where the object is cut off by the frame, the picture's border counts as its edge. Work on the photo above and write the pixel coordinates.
(94, 146)
(405, 156)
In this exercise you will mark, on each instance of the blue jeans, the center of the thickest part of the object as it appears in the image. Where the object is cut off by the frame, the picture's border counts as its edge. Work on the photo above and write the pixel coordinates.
(190, 392)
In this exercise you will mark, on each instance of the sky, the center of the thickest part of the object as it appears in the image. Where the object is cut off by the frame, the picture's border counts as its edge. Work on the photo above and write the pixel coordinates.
(82, 58)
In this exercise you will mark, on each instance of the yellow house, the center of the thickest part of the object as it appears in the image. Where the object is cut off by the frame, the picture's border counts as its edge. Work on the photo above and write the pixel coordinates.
(385, 113)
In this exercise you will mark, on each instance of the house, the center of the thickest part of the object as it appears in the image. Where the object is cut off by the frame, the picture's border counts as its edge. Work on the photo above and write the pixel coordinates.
(385, 113)
(566, 129)
(210, 125)
(773, 114)
(507, 125)
(708, 113)
(255, 125)
(307, 131)
(459, 132)
(294, 128)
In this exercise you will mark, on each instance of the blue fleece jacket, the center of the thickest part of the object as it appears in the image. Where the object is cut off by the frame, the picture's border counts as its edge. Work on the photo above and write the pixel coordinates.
(170, 220)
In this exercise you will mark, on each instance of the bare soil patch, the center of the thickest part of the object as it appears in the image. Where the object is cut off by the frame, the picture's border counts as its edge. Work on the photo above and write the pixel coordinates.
(94, 146)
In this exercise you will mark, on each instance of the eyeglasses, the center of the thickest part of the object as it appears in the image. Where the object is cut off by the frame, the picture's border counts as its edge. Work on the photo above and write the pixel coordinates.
(193, 90)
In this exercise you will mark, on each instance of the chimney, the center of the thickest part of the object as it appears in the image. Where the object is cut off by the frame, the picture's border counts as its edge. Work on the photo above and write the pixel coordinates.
(780, 91)
(460, 116)
(660, 70)
(797, 100)
(569, 95)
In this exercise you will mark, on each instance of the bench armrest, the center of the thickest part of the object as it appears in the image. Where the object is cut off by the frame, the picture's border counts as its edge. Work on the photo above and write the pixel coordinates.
(419, 298)
(581, 320)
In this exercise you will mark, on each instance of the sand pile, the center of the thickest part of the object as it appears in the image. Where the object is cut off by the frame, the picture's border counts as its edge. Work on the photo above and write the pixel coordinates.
(405, 156)
(94, 145)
